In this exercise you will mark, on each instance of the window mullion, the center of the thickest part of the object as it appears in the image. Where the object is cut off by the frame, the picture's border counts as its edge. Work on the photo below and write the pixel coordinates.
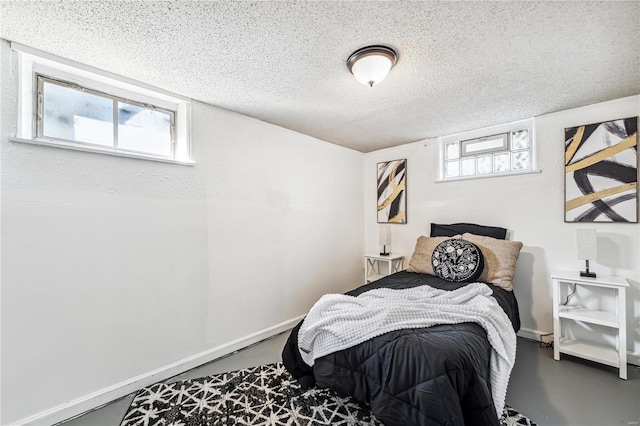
(39, 105)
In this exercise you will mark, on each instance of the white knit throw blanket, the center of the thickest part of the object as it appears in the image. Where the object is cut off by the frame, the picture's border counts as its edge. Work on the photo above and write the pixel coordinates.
(338, 322)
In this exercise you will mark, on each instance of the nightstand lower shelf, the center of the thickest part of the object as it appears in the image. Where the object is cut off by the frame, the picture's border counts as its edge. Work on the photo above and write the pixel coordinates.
(591, 351)
(373, 277)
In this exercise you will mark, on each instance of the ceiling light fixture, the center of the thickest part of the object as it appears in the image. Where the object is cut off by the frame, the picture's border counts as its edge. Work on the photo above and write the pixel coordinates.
(371, 64)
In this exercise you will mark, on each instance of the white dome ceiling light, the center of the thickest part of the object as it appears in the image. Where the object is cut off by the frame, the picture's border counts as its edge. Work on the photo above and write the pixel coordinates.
(371, 64)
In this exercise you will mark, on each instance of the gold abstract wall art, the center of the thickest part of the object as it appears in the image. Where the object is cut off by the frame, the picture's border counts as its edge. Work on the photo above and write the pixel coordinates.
(601, 172)
(392, 191)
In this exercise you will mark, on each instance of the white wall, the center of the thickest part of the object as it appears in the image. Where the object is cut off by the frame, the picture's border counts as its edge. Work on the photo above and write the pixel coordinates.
(530, 206)
(114, 267)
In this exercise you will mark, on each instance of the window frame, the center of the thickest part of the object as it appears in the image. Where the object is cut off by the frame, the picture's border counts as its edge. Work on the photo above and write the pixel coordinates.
(38, 106)
(504, 131)
(464, 152)
(34, 67)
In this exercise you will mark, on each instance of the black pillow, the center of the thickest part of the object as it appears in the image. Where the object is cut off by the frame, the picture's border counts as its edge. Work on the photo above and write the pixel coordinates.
(439, 230)
(457, 260)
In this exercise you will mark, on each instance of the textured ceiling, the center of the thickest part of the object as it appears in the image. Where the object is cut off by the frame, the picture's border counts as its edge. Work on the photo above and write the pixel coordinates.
(462, 65)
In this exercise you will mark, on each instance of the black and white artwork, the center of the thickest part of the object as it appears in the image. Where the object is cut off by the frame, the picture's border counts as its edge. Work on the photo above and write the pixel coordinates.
(601, 172)
(392, 191)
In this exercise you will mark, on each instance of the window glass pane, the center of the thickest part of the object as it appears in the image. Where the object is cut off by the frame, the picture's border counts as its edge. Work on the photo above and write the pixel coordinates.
(520, 139)
(143, 129)
(491, 143)
(468, 166)
(452, 169)
(452, 151)
(520, 160)
(501, 162)
(75, 115)
(484, 164)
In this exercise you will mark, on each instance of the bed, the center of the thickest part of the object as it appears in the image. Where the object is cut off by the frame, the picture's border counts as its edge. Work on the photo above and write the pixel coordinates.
(440, 374)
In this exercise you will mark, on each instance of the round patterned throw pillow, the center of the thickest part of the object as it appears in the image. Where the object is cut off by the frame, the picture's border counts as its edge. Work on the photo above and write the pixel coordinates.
(457, 260)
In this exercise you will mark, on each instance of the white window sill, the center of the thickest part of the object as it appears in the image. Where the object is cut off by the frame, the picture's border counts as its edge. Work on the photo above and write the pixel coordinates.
(492, 175)
(101, 150)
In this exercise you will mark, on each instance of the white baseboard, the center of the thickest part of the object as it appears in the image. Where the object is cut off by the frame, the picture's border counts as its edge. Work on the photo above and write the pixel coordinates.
(527, 333)
(632, 358)
(96, 399)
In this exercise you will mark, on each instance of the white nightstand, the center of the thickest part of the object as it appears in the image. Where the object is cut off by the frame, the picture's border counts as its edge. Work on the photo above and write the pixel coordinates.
(372, 263)
(563, 284)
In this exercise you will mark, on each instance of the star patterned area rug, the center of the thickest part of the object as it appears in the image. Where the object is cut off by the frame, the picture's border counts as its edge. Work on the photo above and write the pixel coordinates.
(262, 395)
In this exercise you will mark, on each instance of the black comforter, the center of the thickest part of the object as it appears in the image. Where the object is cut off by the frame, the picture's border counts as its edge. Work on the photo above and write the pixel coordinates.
(428, 376)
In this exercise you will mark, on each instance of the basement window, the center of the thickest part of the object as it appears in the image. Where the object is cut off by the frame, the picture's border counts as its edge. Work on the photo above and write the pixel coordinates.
(496, 151)
(69, 105)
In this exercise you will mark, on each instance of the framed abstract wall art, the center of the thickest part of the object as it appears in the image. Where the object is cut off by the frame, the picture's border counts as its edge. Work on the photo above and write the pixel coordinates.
(601, 172)
(392, 191)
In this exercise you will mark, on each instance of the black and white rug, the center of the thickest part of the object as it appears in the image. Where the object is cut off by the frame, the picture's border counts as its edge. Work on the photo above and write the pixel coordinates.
(263, 395)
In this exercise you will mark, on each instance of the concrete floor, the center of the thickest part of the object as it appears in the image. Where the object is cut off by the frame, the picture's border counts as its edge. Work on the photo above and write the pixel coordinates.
(569, 392)
(572, 391)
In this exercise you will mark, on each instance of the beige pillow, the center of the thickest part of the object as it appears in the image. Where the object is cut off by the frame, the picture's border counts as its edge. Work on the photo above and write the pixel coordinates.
(421, 257)
(500, 257)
